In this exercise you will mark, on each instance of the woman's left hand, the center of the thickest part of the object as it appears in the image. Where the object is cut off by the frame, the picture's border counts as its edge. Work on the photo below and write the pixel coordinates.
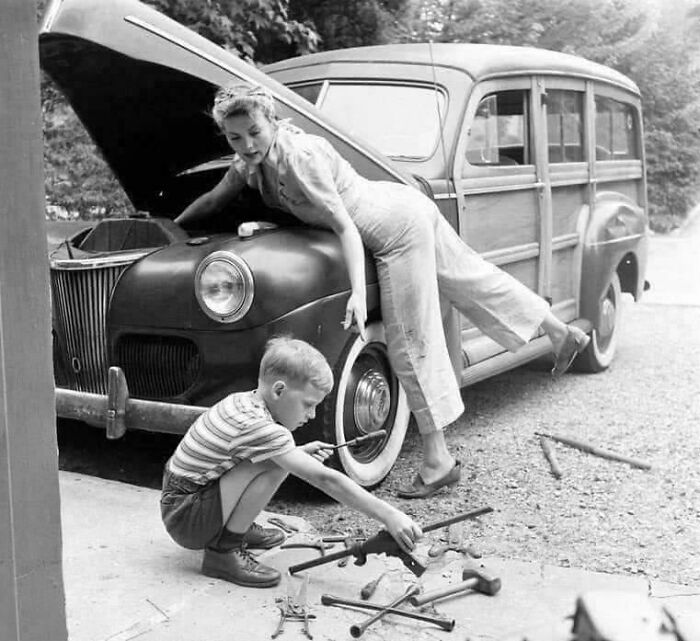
(356, 313)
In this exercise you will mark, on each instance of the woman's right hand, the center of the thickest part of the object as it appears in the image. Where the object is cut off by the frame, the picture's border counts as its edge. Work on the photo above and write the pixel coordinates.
(356, 313)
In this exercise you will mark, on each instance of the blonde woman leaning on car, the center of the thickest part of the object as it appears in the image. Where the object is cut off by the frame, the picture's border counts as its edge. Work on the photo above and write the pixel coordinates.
(418, 256)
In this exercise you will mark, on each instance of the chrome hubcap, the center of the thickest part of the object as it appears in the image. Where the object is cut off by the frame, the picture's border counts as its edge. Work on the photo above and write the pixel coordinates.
(372, 401)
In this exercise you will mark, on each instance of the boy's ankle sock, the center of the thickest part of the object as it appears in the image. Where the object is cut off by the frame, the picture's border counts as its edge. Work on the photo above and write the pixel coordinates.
(227, 541)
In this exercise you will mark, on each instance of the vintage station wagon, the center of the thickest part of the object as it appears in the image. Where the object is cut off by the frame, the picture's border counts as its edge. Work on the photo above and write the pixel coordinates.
(535, 157)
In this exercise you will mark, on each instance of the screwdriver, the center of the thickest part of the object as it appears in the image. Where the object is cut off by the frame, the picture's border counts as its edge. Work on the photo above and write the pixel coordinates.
(361, 439)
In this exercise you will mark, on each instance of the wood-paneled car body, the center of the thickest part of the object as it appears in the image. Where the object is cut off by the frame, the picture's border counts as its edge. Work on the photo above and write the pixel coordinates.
(534, 157)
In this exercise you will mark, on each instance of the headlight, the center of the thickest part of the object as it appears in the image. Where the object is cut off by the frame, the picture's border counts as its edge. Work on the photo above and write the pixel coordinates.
(223, 285)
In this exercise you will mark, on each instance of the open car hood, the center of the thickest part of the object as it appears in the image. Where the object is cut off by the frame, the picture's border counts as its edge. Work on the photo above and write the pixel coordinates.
(143, 85)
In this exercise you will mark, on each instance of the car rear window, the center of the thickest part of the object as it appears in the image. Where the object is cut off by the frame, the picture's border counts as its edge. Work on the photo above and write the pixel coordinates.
(401, 121)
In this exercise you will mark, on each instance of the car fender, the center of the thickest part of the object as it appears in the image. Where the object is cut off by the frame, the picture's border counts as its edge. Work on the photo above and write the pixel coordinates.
(616, 230)
(291, 267)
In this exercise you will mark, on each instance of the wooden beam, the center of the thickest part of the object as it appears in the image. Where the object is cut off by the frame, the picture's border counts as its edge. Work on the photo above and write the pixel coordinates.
(32, 602)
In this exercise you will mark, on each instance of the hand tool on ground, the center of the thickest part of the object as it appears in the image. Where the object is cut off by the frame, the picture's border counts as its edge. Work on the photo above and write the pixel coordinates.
(445, 624)
(293, 608)
(455, 542)
(358, 629)
(384, 543)
(597, 451)
(283, 525)
(550, 456)
(370, 588)
(472, 579)
(348, 542)
(316, 544)
(370, 436)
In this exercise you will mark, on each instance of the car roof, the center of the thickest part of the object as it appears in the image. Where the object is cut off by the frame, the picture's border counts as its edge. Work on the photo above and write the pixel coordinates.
(480, 61)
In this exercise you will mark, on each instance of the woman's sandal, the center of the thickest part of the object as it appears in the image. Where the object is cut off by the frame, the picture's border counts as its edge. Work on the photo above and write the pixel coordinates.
(421, 490)
(574, 343)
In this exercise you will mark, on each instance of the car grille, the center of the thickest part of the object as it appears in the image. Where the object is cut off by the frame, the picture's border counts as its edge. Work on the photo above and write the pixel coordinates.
(80, 298)
(157, 367)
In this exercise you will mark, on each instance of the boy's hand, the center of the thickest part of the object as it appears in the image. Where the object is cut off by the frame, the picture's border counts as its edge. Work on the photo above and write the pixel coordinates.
(404, 530)
(318, 449)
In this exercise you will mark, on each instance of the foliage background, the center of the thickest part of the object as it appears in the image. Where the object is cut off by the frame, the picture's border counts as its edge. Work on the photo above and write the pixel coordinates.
(656, 44)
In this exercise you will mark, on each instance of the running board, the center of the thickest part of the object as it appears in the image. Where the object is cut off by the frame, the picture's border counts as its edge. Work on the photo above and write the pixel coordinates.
(540, 346)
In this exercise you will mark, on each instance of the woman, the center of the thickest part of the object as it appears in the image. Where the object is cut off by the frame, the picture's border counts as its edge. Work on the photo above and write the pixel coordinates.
(419, 257)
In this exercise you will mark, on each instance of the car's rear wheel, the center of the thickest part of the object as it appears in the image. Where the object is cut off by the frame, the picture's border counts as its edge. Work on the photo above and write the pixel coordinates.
(601, 350)
(366, 397)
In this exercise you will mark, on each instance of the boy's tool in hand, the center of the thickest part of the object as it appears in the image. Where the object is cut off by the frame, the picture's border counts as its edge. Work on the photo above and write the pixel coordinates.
(293, 608)
(370, 436)
(445, 624)
(384, 543)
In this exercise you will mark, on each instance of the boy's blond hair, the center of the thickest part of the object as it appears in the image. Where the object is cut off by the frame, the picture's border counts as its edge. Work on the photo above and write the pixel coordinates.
(295, 361)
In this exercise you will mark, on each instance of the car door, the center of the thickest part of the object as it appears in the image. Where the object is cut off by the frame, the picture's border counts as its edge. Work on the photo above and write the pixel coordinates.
(504, 201)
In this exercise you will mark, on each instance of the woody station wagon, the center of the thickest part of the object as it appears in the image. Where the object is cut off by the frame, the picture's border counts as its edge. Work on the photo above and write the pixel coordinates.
(535, 157)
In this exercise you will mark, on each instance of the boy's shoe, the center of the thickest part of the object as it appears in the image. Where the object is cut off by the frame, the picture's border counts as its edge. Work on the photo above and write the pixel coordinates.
(263, 538)
(240, 567)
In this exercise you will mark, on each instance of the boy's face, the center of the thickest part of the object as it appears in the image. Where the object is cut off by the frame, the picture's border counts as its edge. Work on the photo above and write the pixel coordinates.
(292, 405)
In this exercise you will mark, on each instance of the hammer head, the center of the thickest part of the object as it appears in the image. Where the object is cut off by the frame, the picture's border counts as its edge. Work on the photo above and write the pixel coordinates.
(483, 581)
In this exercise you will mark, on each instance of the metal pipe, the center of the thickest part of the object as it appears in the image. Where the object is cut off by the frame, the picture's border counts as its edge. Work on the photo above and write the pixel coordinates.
(358, 629)
(445, 624)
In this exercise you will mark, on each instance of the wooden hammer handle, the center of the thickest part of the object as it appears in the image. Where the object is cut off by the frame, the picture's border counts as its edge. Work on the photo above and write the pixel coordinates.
(440, 593)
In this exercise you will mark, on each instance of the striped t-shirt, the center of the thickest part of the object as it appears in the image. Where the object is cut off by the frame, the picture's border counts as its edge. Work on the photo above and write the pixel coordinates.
(238, 427)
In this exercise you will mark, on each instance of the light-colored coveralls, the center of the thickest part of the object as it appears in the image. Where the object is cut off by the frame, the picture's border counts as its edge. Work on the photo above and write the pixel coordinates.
(419, 258)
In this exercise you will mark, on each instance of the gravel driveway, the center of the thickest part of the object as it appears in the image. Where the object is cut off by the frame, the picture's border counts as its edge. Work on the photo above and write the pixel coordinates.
(601, 515)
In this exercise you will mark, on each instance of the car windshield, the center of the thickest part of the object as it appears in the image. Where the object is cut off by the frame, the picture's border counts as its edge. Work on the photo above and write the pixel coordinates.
(401, 121)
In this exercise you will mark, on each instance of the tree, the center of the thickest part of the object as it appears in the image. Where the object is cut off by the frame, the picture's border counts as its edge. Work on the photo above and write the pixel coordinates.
(353, 23)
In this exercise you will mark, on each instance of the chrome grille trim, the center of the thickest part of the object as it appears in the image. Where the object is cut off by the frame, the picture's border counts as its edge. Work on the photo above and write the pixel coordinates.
(80, 296)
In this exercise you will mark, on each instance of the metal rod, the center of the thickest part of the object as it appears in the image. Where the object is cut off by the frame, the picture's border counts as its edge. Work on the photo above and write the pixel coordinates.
(597, 451)
(358, 629)
(550, 456)
(370, 436)
(445, 624)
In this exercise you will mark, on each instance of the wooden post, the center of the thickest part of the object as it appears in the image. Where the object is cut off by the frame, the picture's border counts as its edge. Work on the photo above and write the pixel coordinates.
(32, 603)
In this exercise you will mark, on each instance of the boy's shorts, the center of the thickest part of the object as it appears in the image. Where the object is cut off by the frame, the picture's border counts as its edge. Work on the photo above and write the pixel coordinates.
(191, 512)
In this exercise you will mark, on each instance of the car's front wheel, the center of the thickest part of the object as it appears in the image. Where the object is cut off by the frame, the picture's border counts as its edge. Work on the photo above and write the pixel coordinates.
(601, 349)
(366, 397)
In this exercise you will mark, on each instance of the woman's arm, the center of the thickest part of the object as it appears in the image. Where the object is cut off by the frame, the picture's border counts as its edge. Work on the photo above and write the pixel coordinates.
(211, 201)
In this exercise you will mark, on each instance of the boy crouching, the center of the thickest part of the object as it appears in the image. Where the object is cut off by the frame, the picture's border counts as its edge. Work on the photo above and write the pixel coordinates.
(235, 455)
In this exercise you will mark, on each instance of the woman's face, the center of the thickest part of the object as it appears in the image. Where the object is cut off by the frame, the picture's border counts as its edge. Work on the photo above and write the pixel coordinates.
(250, 136)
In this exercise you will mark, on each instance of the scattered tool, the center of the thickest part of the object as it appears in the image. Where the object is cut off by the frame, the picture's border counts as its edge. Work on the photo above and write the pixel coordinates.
(348, 542)
(597, 451)
(445, 624)
(358, 629)
(550, 456)
(455, 542)
(370, 436)
(293, 608)
(384, 543)
(370, 588)
(315, 544)
(474, 579)
(283, 525)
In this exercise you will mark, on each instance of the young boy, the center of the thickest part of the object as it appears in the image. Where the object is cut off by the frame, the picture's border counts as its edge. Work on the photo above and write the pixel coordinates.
(234, 457)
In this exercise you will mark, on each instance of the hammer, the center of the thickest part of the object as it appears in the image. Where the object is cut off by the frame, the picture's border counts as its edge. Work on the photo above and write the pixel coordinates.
(472, 579)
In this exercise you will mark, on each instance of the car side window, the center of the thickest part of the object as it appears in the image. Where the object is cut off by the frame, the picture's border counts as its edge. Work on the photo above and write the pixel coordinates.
(309, 91)
(616, 130)
(565, 126)
(499, 133)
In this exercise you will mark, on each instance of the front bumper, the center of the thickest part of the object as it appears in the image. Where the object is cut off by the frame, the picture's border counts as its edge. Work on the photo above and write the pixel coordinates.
(115, 410)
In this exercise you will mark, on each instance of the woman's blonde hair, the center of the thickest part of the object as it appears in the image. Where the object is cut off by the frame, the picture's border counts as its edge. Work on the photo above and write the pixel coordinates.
(297, 362)
(242, 100)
